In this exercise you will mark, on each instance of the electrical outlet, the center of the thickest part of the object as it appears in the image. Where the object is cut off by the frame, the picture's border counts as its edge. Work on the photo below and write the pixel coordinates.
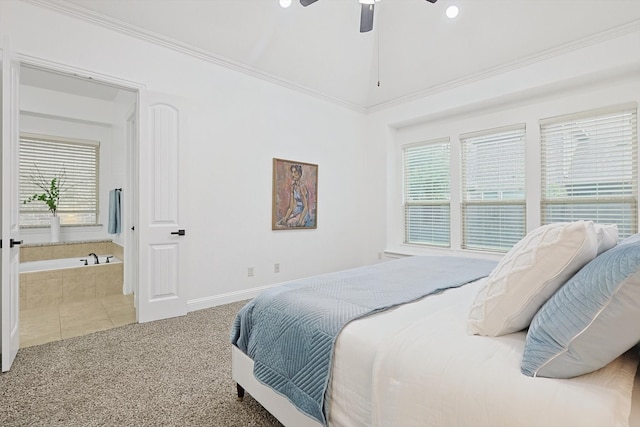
(250, 271)
(276, 267)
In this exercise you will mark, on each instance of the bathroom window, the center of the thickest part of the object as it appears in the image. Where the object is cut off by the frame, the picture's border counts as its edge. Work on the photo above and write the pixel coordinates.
(73, 164)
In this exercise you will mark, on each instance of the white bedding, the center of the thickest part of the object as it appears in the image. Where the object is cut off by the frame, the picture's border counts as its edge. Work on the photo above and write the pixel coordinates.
(417, 366)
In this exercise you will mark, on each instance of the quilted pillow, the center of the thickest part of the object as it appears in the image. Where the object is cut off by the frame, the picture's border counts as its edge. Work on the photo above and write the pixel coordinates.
(634, 238)
(529, 274)
(590, 321)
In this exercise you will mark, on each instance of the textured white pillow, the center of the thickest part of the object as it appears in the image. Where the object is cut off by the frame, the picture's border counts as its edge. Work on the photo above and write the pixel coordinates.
(529, 274)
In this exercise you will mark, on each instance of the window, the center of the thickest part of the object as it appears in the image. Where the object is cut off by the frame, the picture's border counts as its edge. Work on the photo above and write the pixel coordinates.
(49, 157)
(493, 193)
(426, 193)
(590, 168)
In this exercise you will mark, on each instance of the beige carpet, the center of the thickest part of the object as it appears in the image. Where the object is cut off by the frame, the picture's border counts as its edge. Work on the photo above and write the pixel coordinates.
(174, 372)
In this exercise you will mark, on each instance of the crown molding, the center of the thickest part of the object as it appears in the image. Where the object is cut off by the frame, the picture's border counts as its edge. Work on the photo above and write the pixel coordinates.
(514, 65)
(117, 25)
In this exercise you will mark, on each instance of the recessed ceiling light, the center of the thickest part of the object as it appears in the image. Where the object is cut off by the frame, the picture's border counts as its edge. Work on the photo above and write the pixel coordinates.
(452, 11)
(285, 3)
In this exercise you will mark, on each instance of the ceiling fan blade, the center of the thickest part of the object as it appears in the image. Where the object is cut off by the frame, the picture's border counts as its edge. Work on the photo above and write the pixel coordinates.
(308, 2)
(366, 18)
(432, 1)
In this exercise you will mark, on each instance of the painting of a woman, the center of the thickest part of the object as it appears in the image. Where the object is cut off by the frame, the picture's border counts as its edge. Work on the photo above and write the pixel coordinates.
(294, 191)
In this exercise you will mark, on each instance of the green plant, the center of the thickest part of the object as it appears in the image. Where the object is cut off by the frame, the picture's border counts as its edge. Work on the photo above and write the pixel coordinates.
(51, 190)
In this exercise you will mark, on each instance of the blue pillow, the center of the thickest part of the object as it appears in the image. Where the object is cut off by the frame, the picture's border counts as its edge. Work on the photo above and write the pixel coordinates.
(591, 320)
(634, 238)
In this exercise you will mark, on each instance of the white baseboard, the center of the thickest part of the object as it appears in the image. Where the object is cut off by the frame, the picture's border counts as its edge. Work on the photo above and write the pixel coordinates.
(228, 298)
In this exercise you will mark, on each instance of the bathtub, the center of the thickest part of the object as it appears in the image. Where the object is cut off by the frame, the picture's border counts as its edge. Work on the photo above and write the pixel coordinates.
(63, 263)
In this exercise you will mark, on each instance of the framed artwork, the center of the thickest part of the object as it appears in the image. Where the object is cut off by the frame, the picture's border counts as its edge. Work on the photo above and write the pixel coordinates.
(295, 195)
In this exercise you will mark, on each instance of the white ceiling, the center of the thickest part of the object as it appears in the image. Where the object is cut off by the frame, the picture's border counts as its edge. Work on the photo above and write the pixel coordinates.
(414, 48)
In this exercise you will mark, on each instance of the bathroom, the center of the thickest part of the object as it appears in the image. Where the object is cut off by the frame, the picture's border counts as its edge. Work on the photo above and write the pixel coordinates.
(62, 302)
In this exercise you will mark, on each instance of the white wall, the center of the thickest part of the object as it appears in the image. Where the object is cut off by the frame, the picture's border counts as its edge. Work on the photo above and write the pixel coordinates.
(603, 74)
(235, 125)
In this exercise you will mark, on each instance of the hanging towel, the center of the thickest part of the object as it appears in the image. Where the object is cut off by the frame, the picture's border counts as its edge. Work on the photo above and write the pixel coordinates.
(115, 216)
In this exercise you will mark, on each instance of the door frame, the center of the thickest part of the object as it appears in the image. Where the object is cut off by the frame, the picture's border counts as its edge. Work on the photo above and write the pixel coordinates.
(130, 216)
(131, 199)
(150, 260)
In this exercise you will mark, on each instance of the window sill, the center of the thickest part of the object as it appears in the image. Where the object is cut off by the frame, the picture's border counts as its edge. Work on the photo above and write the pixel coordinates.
(36, 228)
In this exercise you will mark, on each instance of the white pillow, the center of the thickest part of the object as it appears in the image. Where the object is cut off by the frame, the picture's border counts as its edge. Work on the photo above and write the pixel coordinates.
(607, 236)
(529, 274)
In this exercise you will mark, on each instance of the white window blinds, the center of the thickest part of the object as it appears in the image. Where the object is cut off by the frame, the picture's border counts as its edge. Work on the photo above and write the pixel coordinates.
(426, 193)
(590, 168)
(493, 192)
(44, 158)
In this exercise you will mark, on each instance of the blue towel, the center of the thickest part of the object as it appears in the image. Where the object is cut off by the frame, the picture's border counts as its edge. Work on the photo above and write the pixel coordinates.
(115, 216)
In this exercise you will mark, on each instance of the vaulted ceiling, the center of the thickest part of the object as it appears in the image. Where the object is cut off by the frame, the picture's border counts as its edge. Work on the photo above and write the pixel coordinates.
(414, 49)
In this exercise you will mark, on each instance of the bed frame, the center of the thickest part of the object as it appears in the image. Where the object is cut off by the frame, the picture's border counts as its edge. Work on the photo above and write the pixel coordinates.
(634, 418)
(277, 405)
(280, 407)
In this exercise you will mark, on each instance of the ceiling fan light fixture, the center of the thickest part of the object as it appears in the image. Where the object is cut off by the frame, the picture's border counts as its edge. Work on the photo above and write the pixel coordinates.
(452, 11)
(285, 3)
(368, 1)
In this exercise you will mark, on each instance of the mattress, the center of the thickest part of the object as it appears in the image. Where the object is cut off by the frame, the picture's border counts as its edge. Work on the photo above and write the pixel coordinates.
(415, 365)
(289, 330)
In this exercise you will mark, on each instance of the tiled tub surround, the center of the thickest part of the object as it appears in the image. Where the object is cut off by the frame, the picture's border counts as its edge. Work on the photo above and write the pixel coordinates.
(62, 303)
(60, 285)
(70, 284)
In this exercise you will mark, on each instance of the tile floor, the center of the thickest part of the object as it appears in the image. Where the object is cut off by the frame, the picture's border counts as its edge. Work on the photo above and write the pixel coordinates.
(71, 319)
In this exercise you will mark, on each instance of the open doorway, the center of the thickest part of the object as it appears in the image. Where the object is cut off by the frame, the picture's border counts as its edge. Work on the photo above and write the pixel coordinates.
(58, 302)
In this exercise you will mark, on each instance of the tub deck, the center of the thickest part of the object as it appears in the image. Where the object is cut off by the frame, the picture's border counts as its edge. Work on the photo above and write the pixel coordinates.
(62, 263)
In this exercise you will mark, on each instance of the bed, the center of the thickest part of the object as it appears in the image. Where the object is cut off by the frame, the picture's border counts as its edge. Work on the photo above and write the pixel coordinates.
(428, 362)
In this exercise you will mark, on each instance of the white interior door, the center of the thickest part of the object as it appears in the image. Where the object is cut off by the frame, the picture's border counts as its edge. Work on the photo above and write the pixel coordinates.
(161, 292)
(9, 212)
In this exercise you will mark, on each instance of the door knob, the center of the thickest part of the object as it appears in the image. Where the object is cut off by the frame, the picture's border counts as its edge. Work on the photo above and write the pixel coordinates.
(179, 232)
(13, 243)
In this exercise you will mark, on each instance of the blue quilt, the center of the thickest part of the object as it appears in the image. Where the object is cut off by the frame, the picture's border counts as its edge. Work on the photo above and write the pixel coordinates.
(290, 331)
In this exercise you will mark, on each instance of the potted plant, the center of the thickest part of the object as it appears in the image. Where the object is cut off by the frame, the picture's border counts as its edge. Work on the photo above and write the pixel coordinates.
(51, 191)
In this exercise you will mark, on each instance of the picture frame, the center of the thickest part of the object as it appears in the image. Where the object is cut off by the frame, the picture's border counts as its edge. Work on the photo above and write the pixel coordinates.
(295, 195)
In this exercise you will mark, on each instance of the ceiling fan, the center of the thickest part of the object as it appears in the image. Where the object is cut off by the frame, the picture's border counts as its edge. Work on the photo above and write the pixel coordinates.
(366, 12)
